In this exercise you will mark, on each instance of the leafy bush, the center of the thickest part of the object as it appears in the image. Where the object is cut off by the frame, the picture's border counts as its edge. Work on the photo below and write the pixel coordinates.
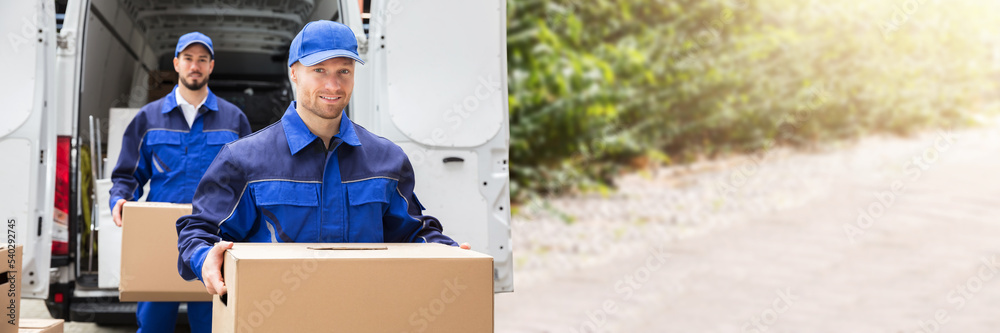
(596, 85)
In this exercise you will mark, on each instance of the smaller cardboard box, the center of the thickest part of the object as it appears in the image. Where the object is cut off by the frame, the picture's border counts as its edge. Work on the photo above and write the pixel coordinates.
(10, 280)
(41, 326)
(301, 287)
(149, 255)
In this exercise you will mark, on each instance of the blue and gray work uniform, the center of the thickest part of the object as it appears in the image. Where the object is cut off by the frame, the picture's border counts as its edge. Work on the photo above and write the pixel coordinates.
(159, 147)
(281, 184)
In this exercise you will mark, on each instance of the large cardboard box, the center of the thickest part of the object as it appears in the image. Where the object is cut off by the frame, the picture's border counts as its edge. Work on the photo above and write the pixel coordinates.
(41, 326)
(300, 287)
(149, 255)
(10, 280)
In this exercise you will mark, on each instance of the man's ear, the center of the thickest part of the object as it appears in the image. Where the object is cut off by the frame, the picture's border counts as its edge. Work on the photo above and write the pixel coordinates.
(176, 62)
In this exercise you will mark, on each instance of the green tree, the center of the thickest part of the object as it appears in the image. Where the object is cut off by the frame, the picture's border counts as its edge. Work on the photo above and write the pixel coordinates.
(595, 85)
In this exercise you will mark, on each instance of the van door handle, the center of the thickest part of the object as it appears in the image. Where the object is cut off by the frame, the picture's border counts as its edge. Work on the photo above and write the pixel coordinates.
(453, 159)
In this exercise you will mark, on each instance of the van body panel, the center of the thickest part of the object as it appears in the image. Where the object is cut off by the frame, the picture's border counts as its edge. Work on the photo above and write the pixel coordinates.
(444, 88)
(28, 136)
(438, 88)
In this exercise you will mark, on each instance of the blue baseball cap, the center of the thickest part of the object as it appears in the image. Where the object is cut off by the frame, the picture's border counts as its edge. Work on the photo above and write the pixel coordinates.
(191, 38)
(322, 40)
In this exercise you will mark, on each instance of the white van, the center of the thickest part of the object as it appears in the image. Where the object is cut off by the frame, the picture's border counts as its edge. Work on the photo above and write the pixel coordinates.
(435, 82)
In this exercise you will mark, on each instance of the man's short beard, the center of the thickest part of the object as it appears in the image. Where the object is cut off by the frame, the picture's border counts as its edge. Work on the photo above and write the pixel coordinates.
(317, 110)
(191, 86)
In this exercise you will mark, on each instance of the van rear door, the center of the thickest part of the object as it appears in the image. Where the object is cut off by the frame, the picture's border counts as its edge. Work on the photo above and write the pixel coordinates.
(27, 136)
(436, 81)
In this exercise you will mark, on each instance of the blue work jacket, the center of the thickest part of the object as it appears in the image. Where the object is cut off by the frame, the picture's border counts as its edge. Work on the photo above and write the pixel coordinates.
(158, 146)
(281, 184)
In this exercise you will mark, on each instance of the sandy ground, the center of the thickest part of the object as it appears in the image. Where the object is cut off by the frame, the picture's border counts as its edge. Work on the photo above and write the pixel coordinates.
(881, 235)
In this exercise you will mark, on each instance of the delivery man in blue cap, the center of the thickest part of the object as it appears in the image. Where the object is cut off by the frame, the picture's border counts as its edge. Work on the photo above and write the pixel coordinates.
(314, 176)
(171, 143)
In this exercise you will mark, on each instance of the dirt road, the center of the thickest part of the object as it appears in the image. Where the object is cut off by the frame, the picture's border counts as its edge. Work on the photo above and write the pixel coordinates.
(880, 235)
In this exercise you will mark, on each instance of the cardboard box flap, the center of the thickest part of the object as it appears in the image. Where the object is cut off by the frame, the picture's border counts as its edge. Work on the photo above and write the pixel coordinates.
(157, 204)
(266, 251)
(341, 247)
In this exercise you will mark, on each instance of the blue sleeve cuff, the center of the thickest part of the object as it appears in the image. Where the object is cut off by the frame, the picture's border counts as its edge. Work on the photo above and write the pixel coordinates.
(114, 199)
(197, 260)
(434, 236)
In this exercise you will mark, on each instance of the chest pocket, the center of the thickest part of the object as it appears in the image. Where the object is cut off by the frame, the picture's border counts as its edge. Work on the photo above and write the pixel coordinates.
(167, 150)
(220, 137)
(163, 138)
(372, 191)
(274, 193)
(368, 201)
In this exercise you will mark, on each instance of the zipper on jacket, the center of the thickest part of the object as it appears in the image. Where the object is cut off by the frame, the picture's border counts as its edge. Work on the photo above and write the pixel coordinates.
(334, 143)
(322, 198)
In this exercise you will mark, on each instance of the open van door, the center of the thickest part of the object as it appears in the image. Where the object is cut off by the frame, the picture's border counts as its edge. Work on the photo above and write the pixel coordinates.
(435, 83)
(27, 136)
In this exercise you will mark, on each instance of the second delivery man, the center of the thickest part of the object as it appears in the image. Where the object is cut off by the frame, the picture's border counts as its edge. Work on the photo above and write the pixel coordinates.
(170, 144)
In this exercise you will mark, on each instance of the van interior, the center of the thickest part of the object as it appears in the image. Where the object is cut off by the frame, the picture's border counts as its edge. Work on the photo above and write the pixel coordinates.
(127, 61)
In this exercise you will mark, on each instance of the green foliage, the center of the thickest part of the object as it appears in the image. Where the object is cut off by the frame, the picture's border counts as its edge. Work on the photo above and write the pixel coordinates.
(596, 85)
